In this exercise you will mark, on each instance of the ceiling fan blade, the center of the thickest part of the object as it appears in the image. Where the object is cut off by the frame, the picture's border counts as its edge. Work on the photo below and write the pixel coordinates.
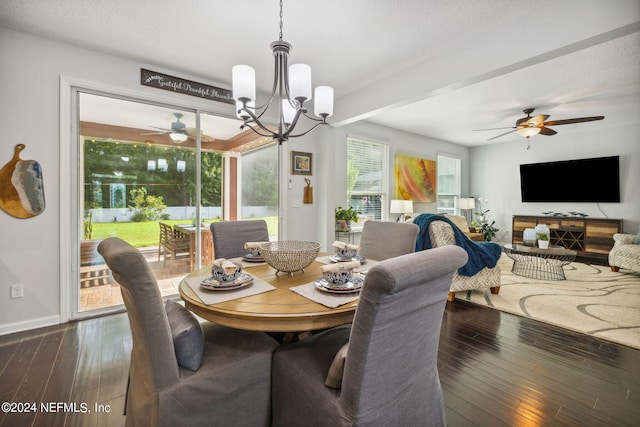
(496, 137)
(571, 121)
(547, 131)
(162, 129)
(154, 133)
(477, 130)
(203, 136)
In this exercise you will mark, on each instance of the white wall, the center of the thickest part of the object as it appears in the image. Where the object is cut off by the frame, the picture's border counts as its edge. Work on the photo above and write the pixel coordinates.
(495, 174)
(30, 113)
(399, 142)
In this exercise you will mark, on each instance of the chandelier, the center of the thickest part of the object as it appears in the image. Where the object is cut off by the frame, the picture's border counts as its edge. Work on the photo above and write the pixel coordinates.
(291, 89)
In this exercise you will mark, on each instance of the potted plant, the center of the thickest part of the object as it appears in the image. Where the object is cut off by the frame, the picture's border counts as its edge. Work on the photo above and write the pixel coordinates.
(481, 215)
(489, 231)
(543, 233)
(344, 218)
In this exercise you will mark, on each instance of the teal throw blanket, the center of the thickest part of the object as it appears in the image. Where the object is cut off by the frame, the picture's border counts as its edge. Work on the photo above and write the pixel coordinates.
(481, 254)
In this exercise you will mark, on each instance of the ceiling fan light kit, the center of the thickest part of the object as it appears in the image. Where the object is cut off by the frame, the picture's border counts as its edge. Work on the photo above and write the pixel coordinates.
(291, 89)
(178, 137)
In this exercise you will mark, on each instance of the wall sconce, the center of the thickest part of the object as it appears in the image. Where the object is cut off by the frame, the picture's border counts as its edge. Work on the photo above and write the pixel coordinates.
(151, 165)
(181, 165)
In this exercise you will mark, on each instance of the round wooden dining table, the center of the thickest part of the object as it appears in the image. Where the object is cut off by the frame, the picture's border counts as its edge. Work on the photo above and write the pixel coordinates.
(279, 310)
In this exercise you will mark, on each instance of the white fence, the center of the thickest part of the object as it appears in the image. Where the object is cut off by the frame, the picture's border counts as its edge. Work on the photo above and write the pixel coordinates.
(181, 212)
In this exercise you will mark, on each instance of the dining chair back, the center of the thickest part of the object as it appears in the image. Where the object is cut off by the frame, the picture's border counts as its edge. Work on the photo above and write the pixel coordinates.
(381, 240)
(389, 376)
(229, 237)
(230, 380)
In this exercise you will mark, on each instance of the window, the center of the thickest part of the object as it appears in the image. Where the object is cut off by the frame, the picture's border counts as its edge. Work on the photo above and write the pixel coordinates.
(448, 183)
(368, 178)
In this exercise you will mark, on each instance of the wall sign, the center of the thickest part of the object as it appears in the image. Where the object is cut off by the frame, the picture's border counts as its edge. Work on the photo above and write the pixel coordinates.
(187, 87)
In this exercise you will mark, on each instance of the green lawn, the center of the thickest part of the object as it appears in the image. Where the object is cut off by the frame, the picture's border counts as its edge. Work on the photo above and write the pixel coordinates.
(140, 234)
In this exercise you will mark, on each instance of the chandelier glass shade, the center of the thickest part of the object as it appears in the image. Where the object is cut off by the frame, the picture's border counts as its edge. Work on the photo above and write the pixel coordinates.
(290, 93)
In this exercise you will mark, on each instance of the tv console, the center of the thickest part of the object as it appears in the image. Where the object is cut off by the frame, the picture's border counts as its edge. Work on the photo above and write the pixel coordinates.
(591, 238)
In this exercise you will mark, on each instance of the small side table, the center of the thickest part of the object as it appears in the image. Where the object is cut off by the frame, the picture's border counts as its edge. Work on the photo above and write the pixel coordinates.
(536, 263)
(348, 235)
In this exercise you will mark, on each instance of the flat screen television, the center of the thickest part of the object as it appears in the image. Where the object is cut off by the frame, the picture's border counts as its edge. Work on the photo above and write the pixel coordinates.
(582, 180)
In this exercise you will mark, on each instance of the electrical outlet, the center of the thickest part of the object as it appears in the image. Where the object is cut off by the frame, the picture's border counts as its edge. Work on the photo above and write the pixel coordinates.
(17, 290)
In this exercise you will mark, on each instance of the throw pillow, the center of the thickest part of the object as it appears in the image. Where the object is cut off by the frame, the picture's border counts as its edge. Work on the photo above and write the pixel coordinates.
(188, 337)
(334, 377)
(636, 241)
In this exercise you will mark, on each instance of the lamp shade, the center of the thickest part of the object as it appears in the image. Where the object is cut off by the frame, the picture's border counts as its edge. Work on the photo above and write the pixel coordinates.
(401, 206)
(300, 81)
(244, 82)
(323, 102)
(465, 203)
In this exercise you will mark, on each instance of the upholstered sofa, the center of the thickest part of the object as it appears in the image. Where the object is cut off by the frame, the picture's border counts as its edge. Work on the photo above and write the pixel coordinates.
(625, 253)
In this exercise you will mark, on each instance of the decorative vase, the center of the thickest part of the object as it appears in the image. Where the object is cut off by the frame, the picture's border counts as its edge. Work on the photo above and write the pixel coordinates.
(529, 237)
(343, 225)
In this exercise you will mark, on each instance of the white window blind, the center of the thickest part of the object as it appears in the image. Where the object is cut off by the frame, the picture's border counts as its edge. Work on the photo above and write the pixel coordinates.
(448, 183)
(368, 178)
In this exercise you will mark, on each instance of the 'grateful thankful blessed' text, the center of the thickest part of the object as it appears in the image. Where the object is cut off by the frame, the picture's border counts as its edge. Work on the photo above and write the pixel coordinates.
(187, 87)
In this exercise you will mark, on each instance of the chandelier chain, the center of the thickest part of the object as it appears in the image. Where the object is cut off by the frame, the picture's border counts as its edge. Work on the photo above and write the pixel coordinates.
(281, 20)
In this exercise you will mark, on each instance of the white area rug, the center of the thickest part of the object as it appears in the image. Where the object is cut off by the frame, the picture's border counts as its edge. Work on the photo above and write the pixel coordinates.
(593, 300)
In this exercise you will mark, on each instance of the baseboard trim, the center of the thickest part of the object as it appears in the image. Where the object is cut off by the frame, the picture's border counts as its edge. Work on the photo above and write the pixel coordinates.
(27, 325)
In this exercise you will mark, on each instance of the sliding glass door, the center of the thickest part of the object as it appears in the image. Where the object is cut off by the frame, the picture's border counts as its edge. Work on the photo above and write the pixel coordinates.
(142, 170)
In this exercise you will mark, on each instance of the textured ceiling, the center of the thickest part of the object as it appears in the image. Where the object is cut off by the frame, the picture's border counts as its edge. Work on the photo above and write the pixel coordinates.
(439, 68)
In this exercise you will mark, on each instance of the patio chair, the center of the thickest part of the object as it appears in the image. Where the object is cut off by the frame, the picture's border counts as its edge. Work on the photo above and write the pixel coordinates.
(183, 373)
(229, 237)
(172, 244)
(388, 375)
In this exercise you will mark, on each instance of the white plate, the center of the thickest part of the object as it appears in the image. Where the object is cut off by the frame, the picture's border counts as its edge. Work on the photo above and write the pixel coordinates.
(360, 258)
(214, 285)
(353, 286)
(253, 258)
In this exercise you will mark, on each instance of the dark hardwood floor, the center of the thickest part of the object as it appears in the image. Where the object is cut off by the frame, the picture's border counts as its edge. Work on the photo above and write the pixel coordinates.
(496, 369)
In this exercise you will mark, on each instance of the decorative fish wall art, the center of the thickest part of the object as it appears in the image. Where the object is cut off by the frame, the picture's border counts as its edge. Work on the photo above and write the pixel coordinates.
(21, 187)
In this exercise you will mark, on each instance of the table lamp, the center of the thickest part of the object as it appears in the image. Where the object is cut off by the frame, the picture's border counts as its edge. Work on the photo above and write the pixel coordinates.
(465, 204)
(401, 207)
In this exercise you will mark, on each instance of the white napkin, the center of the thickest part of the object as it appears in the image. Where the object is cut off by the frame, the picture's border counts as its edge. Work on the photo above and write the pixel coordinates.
(341, 266)
(228, 266)
(249, 245)
(342, 245)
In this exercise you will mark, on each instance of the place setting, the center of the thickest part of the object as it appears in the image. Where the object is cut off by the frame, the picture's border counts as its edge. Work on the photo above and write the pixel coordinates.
(346, 252)
(227, 281)
(340, 284)
(253, 257)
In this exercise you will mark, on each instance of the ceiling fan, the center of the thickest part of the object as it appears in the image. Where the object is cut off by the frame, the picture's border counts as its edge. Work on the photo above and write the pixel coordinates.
(533, 125)
(179, 132)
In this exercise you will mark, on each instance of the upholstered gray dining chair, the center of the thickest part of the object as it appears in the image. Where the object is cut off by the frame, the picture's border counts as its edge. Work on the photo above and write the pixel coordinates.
(381, 240)
(389, 375)
(229, 237)
(182, 372)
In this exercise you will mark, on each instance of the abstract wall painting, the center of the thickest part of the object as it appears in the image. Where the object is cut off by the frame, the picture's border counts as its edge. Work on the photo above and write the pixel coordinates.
(21, 187)
(415, 179)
